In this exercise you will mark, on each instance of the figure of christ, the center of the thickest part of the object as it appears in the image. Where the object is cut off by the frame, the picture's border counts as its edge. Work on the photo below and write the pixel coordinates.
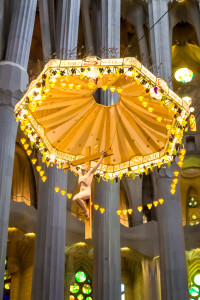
(85, 182)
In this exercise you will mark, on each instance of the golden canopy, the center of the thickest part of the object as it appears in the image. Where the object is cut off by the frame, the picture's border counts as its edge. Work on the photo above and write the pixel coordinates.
(59, 113)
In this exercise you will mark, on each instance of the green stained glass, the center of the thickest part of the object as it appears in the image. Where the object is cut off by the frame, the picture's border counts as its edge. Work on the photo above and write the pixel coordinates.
(74, 288)
(87, 289)
(80, 276)
(80, 297)
(194, 291)
(89, 298)
(197, 279)
(7, 286)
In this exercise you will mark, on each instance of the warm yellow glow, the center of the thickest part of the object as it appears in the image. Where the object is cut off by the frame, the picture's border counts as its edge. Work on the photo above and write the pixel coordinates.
(168, 126)
(145, 103)
(69, 195)
(77, 87)
(63, 83)
(184, 75)
(70, 86)
(172, 191)
(91, 85)
(183, 151)
(119, 211)
(119, 90)
(180, 163)
(176, 173)
(173, 185)
(125, 249)
(44, 178)
(173, 131)
(104, 87)
(63, 192)
(193, 123)
(23, 140)
(26, 146)
(96, 206)
(181, 157)
(29, 151)
(141, 98)
(140, 208)
(22, 127)
(34, 160)
(150, 109)
(149, 205)
(175, 180)
(155, 203)
(159, 119)
(102, 210)
(130, 211)
(56, 189)
(112, 88)
(124, 211)
(41, 173)
(80, 244)
(161, 200)
(38, 168)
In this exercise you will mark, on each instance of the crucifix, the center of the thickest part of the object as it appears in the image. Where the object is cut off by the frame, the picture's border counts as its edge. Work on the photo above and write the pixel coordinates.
(83, 198)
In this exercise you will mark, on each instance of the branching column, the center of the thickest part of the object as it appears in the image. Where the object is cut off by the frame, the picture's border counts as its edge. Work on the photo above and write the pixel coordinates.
(160, 38)
(174, 282)
(13, 81)
(107, 258)
(67, 27)
(49, 257)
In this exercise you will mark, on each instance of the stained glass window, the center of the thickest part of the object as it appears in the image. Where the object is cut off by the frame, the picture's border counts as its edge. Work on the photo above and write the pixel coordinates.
(80, 276)
(194, 289)
(7, 283)
(74, 288)
(82, 288)
(87, 289)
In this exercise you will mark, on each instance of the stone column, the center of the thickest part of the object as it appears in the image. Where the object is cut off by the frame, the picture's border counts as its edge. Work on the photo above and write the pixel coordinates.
(67, 27)
(137, 17)
(134, 194)
(85, 7)
(13, 81)
(160, 39)
(174, 281)
(107, 257)
(49, 256)
(21, 30)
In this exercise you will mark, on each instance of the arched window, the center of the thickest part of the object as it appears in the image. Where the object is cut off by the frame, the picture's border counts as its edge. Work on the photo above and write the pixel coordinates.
(82, 288)
(193, 123)
(193, 207)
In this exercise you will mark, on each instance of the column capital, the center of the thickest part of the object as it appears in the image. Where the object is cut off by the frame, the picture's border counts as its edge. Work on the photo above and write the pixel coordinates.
(13, 82)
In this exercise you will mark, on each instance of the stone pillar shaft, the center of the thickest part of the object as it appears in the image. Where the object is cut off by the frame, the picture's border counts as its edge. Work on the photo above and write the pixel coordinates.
(67, 27)
(174, 282)
(21, 30)
(160, 39)
(107, 257)
(49, 259)
(8, 135)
